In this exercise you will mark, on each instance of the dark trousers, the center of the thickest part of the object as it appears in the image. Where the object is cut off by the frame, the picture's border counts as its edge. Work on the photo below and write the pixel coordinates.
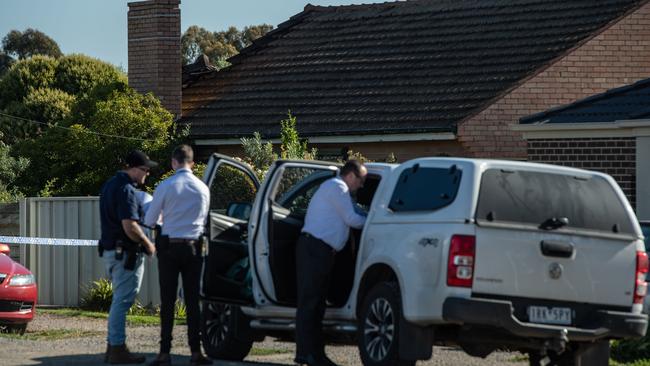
(183, 259)
(314, 263)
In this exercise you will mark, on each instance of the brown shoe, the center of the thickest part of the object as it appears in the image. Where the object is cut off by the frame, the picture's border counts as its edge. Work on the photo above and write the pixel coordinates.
(121, 355)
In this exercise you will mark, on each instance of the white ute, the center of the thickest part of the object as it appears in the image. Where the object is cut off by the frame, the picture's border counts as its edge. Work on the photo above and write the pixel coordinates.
(482, 254)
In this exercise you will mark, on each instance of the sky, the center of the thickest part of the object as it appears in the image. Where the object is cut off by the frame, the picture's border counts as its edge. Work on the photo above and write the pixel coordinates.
(97, 28)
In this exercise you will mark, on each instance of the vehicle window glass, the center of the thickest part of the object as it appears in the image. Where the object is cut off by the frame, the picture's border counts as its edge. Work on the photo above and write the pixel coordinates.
(298, 185)
(230, 185)
(532, 198)
(425, 189)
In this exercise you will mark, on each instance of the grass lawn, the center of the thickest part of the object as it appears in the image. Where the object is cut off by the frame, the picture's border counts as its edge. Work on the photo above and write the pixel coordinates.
(52, 334)
(267, 351)
(136, 320)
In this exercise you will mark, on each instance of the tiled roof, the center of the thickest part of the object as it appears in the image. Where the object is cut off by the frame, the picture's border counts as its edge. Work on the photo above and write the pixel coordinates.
(625, 103)
(408, 66)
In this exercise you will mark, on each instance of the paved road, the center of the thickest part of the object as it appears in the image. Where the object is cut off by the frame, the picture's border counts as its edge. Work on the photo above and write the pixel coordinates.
(81, 341)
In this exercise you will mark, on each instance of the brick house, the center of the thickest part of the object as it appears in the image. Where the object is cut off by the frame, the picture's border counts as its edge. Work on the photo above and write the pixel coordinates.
(411, 77)
(609, 132)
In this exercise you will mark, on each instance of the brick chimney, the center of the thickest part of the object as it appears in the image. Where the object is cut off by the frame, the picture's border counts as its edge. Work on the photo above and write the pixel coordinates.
(155, 50)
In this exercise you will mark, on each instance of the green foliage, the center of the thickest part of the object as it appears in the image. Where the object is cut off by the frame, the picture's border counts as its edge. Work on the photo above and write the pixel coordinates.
(10, 169)
(180, 310)
(24, 77)
(5, 62)
(230, 185)
(82, 161)
(218, 46)
(198, 170)
(45, 89)
(391, 158)
(29, 43)
(98, 296)
(78, 74)
(257, 154)
(292, 147)
(630, 350)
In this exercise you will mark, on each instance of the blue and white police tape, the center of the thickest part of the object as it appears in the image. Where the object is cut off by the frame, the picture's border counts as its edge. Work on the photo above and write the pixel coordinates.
(46, 241)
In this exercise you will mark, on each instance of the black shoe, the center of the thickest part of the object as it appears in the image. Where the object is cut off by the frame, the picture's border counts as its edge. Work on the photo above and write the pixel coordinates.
(200, 360)
(314, 361)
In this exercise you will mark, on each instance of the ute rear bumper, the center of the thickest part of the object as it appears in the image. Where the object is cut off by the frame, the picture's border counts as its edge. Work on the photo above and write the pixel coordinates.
(500, 314)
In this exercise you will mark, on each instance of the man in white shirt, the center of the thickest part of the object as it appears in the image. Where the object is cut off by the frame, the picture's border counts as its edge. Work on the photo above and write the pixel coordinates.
(183, 201)
(330, 215)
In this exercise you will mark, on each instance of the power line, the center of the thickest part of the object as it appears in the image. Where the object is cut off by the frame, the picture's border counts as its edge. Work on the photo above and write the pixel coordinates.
(72, 129)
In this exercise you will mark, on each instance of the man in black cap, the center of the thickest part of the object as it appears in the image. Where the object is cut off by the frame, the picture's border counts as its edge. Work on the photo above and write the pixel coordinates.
(120, 245)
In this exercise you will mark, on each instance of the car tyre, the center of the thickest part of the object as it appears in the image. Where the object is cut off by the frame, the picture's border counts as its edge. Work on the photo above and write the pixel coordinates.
(220, 332)
(378, 330)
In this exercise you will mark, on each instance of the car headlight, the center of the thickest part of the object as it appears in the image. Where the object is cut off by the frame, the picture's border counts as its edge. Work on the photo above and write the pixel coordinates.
(22, 280)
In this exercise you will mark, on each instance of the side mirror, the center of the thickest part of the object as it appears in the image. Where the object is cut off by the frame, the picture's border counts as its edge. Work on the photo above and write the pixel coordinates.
(4, 249)
(239, 210)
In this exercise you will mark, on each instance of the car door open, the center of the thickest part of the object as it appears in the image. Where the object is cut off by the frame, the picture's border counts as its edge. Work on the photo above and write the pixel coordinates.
(226, 267)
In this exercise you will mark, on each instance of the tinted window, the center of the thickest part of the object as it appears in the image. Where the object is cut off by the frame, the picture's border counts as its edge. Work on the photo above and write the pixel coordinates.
(230, 185)
(425, 189)
(298, 185)
(535, 197)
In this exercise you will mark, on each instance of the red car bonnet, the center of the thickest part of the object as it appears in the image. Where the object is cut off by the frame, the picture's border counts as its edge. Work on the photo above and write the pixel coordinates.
(8, 266)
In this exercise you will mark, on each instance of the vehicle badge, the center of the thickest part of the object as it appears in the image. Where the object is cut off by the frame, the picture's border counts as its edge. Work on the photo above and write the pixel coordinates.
(429, 241)
(555, 270)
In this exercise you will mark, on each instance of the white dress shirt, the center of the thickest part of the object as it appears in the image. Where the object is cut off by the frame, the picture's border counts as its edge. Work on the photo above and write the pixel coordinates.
(183, 201)
(330, 214)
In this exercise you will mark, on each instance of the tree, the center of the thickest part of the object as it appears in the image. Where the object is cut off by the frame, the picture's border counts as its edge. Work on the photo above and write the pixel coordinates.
(78, 156)
(31, 42)
(45, 89)
(10, 169)
(5, 62)
(218, 46)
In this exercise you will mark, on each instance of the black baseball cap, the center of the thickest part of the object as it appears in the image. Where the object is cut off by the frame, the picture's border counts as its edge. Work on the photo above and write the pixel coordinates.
(138, 158)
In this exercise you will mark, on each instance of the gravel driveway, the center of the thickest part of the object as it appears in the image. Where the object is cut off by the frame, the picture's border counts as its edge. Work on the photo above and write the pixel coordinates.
(85, 344)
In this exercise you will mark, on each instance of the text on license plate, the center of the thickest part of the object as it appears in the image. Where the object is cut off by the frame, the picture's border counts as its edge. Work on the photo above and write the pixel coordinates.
(546, 315)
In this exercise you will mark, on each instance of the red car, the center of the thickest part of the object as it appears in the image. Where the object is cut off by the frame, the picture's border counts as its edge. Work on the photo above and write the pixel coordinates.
(18, 294)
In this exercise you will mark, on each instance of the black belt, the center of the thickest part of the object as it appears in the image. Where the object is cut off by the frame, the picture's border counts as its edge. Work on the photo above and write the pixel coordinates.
(183, 241)
(308, 235)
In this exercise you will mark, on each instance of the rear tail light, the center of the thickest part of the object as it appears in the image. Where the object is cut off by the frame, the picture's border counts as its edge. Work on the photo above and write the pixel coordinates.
(460, 265)
(641, 286)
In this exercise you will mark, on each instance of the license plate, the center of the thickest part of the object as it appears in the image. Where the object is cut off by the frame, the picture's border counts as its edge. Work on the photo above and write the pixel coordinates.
(546, 315)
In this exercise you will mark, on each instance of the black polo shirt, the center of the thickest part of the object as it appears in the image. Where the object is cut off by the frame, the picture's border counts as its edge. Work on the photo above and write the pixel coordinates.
(117, 202)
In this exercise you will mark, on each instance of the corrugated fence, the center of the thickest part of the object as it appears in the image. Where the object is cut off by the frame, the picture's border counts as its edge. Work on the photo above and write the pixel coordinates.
(63, 273)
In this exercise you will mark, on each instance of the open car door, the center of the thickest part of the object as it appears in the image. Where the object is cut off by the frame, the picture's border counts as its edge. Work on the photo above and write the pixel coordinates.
(226, 274)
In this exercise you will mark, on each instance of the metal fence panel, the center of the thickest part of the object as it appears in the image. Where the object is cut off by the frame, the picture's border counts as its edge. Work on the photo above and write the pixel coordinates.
(63, 273)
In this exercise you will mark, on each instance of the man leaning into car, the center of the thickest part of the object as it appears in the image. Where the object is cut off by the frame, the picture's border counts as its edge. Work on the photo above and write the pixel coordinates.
(120, 245)
(330, 215)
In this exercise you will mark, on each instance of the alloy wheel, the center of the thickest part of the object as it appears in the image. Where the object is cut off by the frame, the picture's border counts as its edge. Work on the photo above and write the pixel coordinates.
(379, 329)
(217, 323)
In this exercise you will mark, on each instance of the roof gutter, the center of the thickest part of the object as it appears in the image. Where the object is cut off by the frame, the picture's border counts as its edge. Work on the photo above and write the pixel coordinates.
(623, 128)
(345, 139)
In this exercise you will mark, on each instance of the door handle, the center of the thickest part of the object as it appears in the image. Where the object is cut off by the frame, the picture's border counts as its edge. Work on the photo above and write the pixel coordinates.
(555, 248)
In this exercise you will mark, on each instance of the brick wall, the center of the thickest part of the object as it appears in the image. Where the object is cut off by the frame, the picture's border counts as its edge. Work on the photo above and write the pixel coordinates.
(154, 29)
(614, 156)
(618, 56)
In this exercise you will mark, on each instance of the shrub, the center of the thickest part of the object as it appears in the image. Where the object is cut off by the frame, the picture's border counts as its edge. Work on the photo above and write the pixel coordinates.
(98, 296)
(629, 350)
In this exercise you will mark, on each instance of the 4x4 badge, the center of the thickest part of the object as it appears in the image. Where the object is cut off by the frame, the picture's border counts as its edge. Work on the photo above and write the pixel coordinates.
(555, 270)
(429, 241)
